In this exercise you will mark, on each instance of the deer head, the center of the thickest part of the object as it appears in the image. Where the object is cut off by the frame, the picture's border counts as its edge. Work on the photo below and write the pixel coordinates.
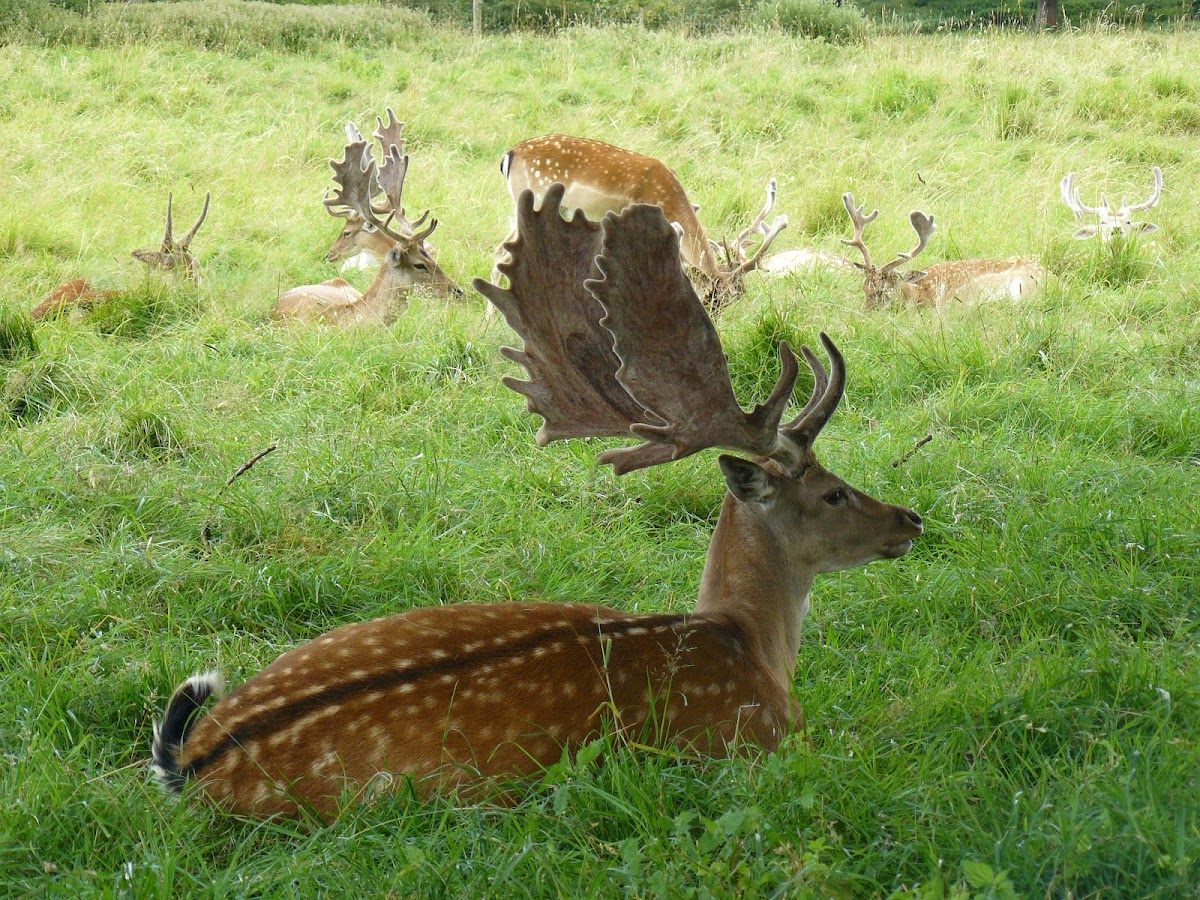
(1112, 222)
(175, 256)
(408, 262)
(883, 284)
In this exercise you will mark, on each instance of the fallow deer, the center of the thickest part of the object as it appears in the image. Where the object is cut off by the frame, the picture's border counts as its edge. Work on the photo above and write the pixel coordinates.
(617, 343)
(965, 281)
(601, 178)
(407, 263)
(172, 256)
(1112, 222)
(360, 243)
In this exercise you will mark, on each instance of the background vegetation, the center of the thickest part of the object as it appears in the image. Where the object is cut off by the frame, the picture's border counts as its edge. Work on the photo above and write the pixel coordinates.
(1011, 709)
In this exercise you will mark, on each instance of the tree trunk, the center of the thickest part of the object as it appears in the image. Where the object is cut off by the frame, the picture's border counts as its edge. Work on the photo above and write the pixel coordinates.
(477, 17)
(1047, 15)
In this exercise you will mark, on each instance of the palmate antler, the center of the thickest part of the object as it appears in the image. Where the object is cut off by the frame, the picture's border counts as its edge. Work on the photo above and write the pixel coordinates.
(633, 352)
(358, 178)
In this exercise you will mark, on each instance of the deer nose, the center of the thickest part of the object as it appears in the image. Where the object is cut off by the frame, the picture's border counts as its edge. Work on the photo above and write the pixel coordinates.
(913, 517)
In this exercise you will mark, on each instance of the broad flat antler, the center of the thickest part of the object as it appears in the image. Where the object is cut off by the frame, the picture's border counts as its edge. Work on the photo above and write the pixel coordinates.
(922, 224)
(568, 354)
(668, 380)
(356, 176)
(168, 243)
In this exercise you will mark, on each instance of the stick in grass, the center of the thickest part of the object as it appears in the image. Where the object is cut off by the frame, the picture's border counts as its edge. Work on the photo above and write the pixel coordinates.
(206, 531)
(897, 463)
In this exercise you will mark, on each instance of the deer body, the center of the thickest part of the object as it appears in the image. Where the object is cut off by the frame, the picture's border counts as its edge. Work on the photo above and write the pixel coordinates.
(173, 257)
(462, 694)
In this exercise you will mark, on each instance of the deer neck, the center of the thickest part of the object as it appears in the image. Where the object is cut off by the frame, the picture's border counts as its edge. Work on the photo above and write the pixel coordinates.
(382, 292)
(752, 580)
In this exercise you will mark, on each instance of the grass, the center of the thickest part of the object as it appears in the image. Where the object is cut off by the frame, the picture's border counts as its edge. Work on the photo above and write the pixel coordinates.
(1012, 708)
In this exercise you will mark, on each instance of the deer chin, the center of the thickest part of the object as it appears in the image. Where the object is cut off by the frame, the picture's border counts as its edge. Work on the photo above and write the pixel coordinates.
(895, 551)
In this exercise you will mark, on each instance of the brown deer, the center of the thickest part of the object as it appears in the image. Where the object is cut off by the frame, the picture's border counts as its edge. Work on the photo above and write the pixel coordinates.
(601, 178)
(407, 263)
(965, 281)
(1112, 223)
(360, 244)
(616, 342)
(174, 257)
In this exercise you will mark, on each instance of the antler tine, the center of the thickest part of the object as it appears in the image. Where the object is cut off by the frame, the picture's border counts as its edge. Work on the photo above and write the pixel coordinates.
(1070, 196)
(757, 224)
(390, 134)
(425, 233)
(671, 358)
(353, 135)
(827, 394)
(860, 222)
(168, 243)
(924, 226)
(567, 354)
(187, 240)
(1154, 196)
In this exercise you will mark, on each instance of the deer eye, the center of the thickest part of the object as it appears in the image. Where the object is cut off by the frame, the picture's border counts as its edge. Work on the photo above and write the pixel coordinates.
(835, 498)
(420, 267)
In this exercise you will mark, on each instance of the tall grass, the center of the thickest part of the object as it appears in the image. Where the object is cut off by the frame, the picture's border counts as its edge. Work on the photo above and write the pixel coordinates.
(1012, 708)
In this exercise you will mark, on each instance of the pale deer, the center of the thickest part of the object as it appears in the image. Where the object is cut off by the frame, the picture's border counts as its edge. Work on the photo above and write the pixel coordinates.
(406, 265)
(783, 262)
(360, 244)
(456, 696)
(601, 178)
(1112, 223)
(172, 256)
(964, 281)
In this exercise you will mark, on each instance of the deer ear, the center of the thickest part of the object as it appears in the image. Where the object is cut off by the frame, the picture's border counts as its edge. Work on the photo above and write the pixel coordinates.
(1145, 227)
(1086, 232)
(747, 481)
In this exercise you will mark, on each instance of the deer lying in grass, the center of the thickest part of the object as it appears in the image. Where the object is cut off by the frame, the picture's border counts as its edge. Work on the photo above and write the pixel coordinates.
(360, 244)
(172, 256)
(457, 695)
(965, 281)
(783, 262)
(407, 263)
(1112, 222)
(601, 178)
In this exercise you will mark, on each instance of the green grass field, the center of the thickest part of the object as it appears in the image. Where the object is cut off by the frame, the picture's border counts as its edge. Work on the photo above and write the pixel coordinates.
(1012, 709)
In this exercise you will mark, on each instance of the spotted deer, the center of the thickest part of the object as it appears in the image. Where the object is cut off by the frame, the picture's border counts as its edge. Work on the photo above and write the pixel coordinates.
(601, 178)
(360, 244)
(1113, 223)
(617, 343)
(407, 264)
(964, 281)
(173, 257)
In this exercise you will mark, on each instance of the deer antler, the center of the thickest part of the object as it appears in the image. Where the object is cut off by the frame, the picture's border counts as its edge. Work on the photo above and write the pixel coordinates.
(653, 366)
(924, 226)
(860, 222)
(390, 134)
(357, 176)
(1155, 194)
(1070, 196)
(187, 239)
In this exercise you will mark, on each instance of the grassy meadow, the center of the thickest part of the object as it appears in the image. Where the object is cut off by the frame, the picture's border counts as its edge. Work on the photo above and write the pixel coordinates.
(1013, 709)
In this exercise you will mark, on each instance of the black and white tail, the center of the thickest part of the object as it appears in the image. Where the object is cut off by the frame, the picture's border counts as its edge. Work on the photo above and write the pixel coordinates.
(506, 163)
(177, 722)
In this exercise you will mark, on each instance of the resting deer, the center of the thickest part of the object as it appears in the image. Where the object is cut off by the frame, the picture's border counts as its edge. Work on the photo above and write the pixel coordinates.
(406, 265)
(457, 695)
(1112, 223)
(360, 243)
(601, 178)
(174, 257)
(965, 281)
(783, 262)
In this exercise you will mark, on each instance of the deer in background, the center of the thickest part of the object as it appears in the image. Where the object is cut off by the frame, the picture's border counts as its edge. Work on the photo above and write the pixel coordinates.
(173, 257)
(1112, 223)
(783, 262)
(617, 343)
(407, 263)
(601, 178)
(965, 281)
(360, 243)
